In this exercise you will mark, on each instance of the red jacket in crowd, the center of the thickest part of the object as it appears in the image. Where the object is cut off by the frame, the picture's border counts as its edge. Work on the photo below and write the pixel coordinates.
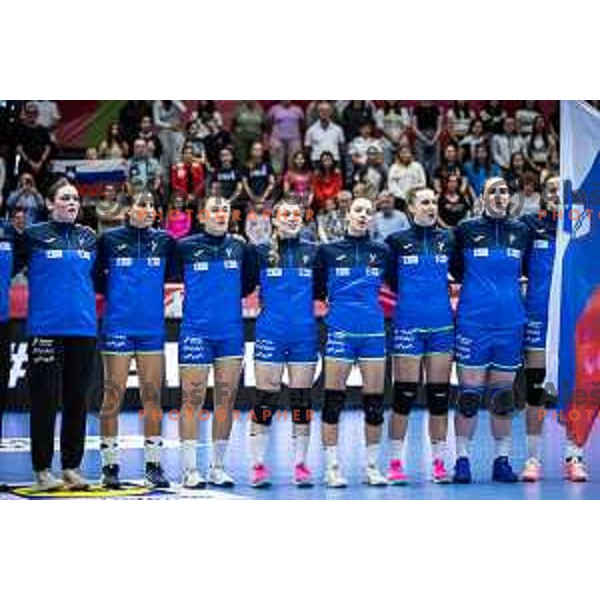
(188, 178)
(325, 187)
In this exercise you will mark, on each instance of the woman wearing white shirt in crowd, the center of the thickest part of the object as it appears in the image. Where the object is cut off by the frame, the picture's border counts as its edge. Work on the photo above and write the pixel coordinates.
(475, 137)
(459, 118)
(540, 145)
(525, 116)
(404, 174)
(168, 116)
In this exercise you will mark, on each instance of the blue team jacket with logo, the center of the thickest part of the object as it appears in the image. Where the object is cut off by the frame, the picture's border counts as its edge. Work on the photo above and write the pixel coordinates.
(217, 272)
(349, 273)
(7, 236)
(132, 265)
(420, 262)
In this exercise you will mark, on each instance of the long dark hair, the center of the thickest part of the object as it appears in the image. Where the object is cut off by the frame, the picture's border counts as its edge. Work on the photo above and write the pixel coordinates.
(463, 111)
(544, 133)
(320, 165)
(487, 165)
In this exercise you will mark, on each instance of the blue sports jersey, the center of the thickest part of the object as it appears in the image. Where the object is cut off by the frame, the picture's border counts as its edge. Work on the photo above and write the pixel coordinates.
(7, 235)
(131, 272)
(420, 262)
(61, 259)
(539, 262)
(488, 259)
(286, 290)
(349, 273)
(217, 272)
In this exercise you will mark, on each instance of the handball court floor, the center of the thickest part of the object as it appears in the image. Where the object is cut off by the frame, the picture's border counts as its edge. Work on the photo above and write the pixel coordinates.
(15, 462)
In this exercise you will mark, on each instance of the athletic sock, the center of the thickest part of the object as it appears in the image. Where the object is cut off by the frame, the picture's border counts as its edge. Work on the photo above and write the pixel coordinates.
(533, 446)
(372, 454)
(300, 448)
(188, 455)
(219, 448)
(397, 449)
(438, 450)
(331, 458)
(258, 445)
(152, 448)
(109, 450)
(462, 446)
(573, 451)
(502, 447)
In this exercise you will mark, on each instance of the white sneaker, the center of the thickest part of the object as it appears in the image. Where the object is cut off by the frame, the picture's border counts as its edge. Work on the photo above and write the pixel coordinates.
(46, 482)
(219, 477)
(192, 480)
(74, 481)
(334, 478)
(373, 476)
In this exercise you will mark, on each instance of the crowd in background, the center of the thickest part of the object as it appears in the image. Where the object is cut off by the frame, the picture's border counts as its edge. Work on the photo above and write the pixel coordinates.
(323, 153)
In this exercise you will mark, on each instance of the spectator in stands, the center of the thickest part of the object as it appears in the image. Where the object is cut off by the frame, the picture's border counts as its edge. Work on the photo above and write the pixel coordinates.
(393, 121)
(453, 206)
(286, 125)
(114, 145)
(146, 132)
(110, 210)
(196, 141)
(48, 116)
(405, 174)
(540, 145)
(324, 136)
(91, 153)
(518, 168)
(145, 173)
(330, 224)
(525, 116)
(364, 141)
(226, 179)
(299, 179)
(553, 166)
(479, 170)
(214, 142)
(450, 166)
(374, 173)
(188, 177)
(18, 220)
(312, 111)
(178, 219)
(387, 219)
(130, 117)
(249, 126)
(258, 224)
(33, 146)
(474, 138)
(206, 110)
(527, 199)
(459, 117)
(28, 199)
(505, 144)
(327, 181)
(168, 119)
(258, 178)
(492, 114)
(427, 125)
(354, 116)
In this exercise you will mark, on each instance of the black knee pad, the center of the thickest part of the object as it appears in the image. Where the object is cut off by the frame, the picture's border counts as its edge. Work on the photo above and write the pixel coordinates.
(405, 394)
(332, 407)
(265, 407)
(374, 409)
(502, 400)
(437, 398)
(534, 379)
(301, 405)
(469, 401)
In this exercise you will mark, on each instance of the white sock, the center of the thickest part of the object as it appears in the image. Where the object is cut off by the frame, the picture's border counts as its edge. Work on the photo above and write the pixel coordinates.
(258, 445)
(502, 447)
(533, 446)
(109, 450)
(438, 450)
(219, 448)
(372, 454)
(573, 450)
(397, 449)
(331, 458)
(188, 455)
(300, 448)
(152, 448)
(462, 446)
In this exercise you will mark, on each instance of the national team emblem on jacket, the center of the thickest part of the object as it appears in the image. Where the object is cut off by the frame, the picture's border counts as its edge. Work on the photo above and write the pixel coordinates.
(228, 251)
(372, 260)
(440, 246)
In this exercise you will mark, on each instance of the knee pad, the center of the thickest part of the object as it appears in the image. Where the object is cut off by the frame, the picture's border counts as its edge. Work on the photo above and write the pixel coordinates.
(374, 409)
(469, 401)
(534, 380)
(502, 400)
(437, 398)
(332, 407)
(265, 407)
(301, 405)
(405, 394)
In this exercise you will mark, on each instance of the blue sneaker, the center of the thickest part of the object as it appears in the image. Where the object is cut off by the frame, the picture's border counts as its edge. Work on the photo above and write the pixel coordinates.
(502, 471)
(462, 470)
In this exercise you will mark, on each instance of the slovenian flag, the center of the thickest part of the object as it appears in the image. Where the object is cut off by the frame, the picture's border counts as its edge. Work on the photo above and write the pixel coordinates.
(573, 350)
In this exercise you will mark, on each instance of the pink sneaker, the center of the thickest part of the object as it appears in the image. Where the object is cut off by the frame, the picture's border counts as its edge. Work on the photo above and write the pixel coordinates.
(302, 476)
(396, 474)
(575, 470)
(439, 473)
(532, 472)
(260, 476)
